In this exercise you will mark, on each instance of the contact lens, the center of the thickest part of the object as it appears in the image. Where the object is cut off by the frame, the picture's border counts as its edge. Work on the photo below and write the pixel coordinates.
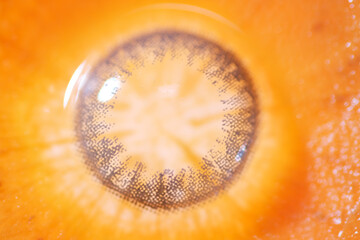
(166, 119)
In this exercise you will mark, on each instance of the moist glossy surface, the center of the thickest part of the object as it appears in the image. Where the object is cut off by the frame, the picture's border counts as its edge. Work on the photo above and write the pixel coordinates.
(304, 59)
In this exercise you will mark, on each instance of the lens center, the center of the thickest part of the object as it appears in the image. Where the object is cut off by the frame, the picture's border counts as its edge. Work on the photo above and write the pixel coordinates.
(173, 114)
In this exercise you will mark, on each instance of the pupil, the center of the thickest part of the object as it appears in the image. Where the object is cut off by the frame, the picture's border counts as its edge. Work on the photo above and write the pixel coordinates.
(166, 119)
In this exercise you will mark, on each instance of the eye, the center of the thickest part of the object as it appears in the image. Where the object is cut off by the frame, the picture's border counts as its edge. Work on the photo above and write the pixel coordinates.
(134, 73)
(296, 91)
(166, 119)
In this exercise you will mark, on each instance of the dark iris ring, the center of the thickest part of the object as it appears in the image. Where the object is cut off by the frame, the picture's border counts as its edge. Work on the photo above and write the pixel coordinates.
(168, 189)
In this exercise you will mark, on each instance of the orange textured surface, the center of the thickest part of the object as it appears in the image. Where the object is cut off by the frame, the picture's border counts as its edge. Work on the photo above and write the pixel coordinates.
(303, 182)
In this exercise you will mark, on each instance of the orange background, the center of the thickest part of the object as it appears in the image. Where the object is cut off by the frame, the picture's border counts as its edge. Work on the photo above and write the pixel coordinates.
(312, 48)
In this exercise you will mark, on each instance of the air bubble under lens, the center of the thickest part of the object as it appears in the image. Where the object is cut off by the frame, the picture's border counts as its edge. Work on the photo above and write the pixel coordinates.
(167, 119)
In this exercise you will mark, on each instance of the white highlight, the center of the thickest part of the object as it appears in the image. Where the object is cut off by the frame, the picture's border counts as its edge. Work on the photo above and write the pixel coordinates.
(337, 220)
(240, 153)
(191, 8)
(109, 89)
(78, 77)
